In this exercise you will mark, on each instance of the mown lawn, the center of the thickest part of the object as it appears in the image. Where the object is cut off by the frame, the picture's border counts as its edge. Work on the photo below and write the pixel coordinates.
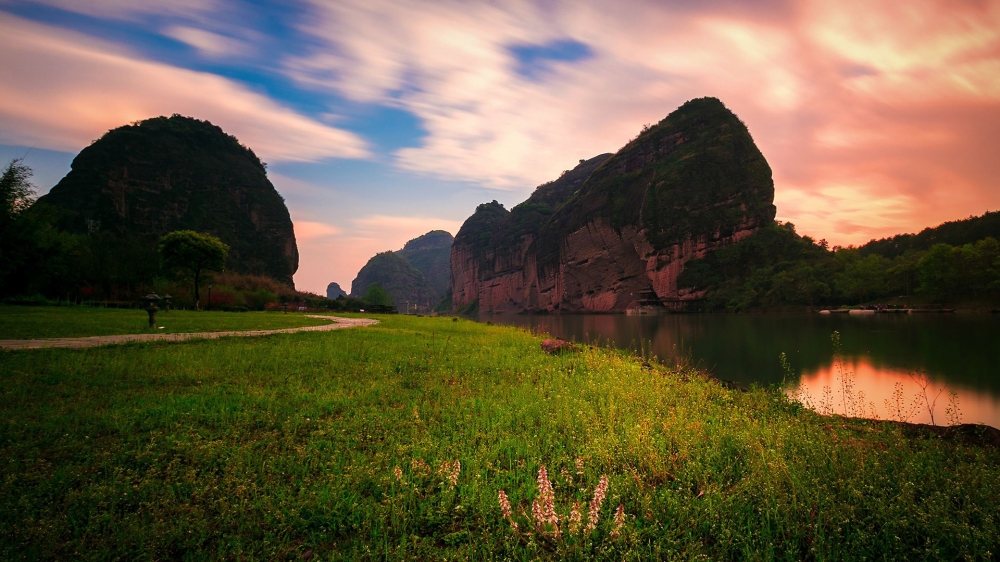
(29, 322)
(287, 447)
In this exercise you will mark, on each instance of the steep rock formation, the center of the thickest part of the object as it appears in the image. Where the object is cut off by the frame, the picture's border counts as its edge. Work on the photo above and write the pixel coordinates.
(404, 283)
(619, 228)
(333, 291)
(430, 254)
(143, 180)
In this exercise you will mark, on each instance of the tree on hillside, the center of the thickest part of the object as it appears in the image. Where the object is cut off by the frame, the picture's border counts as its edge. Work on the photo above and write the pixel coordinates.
(376, 295)
(192, 251)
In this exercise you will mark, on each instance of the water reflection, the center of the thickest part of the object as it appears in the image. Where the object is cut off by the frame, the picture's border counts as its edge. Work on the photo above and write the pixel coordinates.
(872, 392)
(957, 352)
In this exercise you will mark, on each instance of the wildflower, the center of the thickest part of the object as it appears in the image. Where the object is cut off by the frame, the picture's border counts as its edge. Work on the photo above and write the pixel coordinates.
(504, 504)
(579, 466)
(543, 508)
(449, 471)
(398, 473)
(574, 518)
(595, 505)
(567, 476)
(420, 467)
(619, 520)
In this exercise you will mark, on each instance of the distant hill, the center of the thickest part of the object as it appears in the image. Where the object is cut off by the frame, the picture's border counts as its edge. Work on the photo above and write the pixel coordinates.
(418, 274)
(954, 233)
(617, 230)
(143, 180)
(403, 282)
(333, 291)
(430, 255)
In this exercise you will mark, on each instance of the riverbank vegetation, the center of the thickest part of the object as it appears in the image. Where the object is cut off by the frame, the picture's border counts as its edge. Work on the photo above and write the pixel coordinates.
(428, 438)
(955, 263)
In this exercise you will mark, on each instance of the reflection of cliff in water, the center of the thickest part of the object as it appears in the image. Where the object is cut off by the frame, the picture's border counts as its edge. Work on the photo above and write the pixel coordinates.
(959, 349)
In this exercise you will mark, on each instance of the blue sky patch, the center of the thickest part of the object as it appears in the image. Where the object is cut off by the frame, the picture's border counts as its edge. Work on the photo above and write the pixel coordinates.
(535, 60)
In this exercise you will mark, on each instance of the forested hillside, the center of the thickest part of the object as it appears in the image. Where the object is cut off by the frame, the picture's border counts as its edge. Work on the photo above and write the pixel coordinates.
(776, 267)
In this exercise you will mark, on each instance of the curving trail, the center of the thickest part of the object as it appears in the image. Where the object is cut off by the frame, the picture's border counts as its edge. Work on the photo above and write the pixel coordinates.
(95, 341)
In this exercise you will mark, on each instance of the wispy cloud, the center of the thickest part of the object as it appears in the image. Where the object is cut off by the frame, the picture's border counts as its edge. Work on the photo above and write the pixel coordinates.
(209, 43)
(130, 9)
(822, 84)
(62, 90)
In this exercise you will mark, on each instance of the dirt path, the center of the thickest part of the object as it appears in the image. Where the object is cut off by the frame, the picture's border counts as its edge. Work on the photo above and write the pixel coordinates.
(95, 341)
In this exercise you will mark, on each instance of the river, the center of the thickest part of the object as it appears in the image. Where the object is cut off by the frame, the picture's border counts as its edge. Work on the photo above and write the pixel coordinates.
(886, 365)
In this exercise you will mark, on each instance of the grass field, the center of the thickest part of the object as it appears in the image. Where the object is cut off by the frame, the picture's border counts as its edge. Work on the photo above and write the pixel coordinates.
(28, 322)
(394, 441)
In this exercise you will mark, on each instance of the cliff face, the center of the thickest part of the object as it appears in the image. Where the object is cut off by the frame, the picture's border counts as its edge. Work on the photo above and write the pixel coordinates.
(404, 283)
(620, 226)
(163, 174)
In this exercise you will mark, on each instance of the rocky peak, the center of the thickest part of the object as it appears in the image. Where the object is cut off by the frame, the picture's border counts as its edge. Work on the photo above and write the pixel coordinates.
(620, 225)
(333, 291)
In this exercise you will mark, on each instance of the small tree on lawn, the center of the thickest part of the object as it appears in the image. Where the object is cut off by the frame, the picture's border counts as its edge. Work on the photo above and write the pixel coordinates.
(193, 251)
(376, 295)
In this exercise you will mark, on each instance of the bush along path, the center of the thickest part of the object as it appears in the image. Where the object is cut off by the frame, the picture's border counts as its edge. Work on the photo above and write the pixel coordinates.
(95, 341)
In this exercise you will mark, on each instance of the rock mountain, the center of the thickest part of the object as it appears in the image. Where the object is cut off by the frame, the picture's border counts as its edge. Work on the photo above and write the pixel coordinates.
(333, 291)
(417, 274)
(146, 179)
(618, 229)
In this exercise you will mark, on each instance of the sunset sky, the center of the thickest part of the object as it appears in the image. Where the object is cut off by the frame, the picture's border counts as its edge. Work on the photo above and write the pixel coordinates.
(382, 120)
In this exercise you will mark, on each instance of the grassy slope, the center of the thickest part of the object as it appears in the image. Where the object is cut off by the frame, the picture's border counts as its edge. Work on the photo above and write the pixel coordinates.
(27, 322)
(285, 446)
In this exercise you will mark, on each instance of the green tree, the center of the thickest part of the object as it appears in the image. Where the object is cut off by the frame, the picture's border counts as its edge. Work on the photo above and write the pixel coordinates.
(861, 278)
(376, 295)
(937, 274)
(16, 191)
(16, 241)
(903, 275)
(192, 251)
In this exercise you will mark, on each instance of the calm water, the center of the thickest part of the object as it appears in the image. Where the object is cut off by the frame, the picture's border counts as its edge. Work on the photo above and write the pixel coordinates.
(954, 352)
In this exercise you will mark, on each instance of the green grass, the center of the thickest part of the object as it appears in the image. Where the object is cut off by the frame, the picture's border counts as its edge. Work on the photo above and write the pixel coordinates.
(27, 322)
(284, 447)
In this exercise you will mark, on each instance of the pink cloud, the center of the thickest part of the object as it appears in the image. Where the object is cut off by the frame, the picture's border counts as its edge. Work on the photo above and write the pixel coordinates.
(70, 89)
(883, 111)
(311, 230)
